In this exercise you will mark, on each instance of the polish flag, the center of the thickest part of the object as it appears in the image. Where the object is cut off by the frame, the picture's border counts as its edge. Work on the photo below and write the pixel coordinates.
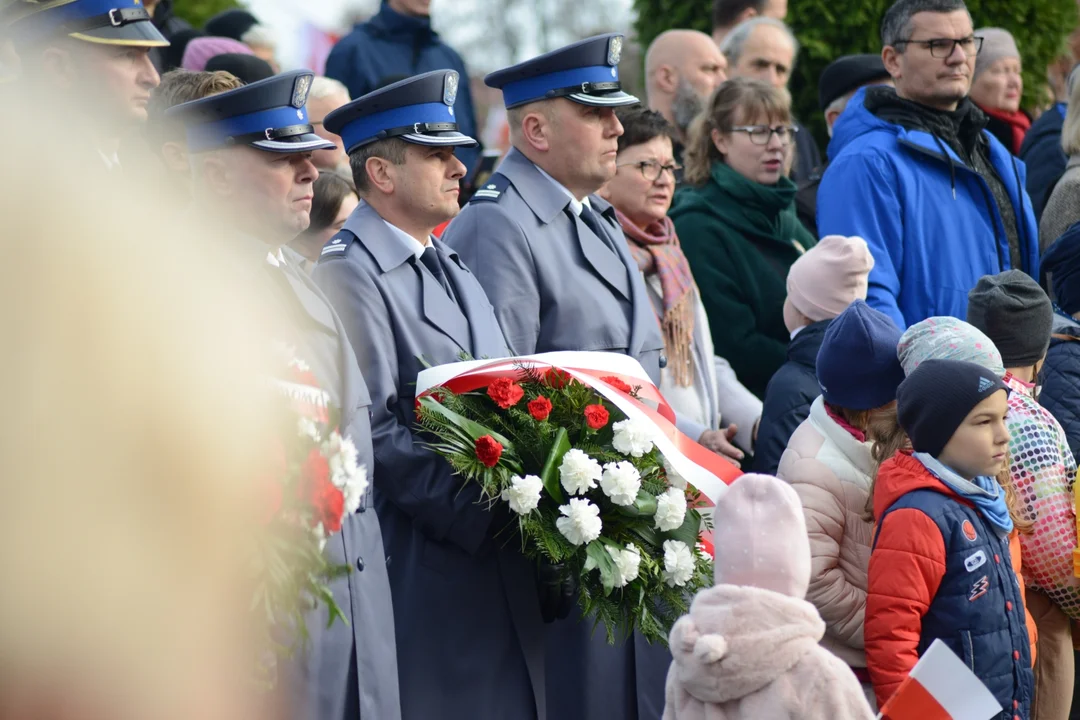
(941, 687)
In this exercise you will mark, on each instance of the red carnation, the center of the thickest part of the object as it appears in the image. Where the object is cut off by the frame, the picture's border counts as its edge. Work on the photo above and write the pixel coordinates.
(540, 408)
(505, 392)
(596, 416)
(327, 501)
(488, 450)
(617, 384)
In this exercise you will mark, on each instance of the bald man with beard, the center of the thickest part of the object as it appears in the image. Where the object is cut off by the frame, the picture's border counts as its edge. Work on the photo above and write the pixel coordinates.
(682, 69)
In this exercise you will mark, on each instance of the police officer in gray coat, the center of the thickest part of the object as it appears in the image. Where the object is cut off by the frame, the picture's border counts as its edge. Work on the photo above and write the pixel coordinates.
(555, 264)
(469, 631)
(251, 150)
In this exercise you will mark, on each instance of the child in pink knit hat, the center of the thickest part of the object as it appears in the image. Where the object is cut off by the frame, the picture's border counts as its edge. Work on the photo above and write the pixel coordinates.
(199, 51)
(749, 648)
(820, 285)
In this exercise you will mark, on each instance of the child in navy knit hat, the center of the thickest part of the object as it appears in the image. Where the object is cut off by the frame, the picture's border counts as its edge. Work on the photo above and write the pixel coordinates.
(945, 562)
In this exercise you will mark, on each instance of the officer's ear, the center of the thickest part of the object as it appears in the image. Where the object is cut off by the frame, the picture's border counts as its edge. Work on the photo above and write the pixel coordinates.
(380, 174)
(59, 66)
(536, 129)
(214, 173)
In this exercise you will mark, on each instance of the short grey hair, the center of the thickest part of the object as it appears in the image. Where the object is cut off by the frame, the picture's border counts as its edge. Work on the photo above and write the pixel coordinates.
(324, 87)
(896, 25)
(735, 41)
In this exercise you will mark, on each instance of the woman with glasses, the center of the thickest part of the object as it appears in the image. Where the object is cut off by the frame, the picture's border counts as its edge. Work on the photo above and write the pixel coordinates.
(736, 218)
(997, 85)
(699, 386)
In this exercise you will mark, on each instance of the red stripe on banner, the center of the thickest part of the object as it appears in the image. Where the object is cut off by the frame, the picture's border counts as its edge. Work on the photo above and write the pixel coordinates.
(912, 701)
(662, 416)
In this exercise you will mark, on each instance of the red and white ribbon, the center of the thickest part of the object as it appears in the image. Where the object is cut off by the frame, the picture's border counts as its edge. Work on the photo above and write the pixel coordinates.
(708, 472)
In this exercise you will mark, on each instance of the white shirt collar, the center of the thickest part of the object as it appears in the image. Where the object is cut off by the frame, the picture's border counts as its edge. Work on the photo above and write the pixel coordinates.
(112, 161)
(416, 247)
(575, 204)
(276, 259)
(797, 330)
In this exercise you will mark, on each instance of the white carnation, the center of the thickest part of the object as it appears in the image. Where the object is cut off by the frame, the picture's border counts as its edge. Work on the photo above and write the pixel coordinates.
(627, 563)
(581, 523)
(578, 472)
(341, 456)
(307, 428)
(621, 482)
(523, 493)
(632, 438)
(670, 509)
(678, 563)
(674, 478)
(320, 536)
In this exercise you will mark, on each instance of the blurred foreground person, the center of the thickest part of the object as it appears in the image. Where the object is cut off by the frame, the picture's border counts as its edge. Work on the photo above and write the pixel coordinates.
(132, 415)
(89, 55)
(252, 175)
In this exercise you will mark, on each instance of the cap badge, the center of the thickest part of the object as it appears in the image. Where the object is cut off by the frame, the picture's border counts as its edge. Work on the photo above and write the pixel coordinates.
(450, 88)
(614, 50)
(300, 91)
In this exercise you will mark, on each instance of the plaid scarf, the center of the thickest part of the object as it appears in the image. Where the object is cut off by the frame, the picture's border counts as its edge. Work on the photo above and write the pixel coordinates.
(656, 250)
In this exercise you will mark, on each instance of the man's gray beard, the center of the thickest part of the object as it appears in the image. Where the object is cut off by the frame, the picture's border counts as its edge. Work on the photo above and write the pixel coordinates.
(685, 106)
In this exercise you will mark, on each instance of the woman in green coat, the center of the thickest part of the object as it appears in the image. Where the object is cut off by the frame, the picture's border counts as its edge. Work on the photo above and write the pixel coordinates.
(736, 220)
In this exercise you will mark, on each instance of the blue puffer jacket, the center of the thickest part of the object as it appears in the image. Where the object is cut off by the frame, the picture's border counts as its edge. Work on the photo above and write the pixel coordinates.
(1061, 379)
(930, 221)
(788, 397)
(392, 44)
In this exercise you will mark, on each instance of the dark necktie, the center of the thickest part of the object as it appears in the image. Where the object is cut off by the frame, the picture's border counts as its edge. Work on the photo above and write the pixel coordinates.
(594, 223)
(430, 258)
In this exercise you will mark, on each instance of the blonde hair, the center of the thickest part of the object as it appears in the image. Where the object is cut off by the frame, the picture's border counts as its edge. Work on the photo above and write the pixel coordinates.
(1070, 129)
(737, 100)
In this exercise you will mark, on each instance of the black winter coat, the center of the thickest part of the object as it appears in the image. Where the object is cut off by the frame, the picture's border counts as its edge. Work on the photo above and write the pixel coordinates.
(1060, 378)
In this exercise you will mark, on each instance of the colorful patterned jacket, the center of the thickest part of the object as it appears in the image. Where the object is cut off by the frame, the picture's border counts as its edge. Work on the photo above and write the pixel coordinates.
(1043, 470)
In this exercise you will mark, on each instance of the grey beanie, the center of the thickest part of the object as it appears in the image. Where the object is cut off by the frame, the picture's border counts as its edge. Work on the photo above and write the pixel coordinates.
(997, 44)
(1015, 313)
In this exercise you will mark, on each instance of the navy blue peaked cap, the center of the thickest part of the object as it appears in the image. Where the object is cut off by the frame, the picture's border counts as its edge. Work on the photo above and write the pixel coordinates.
(418, 110)
(269, 115)
(107, 22)
(586, 72)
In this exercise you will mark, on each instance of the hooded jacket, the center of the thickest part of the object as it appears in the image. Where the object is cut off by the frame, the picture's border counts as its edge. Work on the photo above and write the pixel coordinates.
(394, 45)
(1061, 379)
(938, 570)
(832, 472)
(746, 654)
(934, 223)
(788, 397)
(741, 238)
(749, 648)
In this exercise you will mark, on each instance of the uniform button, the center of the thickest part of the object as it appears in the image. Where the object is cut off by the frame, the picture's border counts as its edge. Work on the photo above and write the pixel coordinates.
(360, 564)
(997, 558)
(663, 361)
(361, 508)
(1016, 654)
(1008, 606)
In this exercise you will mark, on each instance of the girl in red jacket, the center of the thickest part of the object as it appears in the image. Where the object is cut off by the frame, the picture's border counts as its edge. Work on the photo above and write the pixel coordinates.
(942, 561)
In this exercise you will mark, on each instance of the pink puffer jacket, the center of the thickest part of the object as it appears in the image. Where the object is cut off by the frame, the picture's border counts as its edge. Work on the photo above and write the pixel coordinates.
(831, 472)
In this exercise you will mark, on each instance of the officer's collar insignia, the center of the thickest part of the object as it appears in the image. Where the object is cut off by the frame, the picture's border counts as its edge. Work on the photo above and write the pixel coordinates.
(450, 88)
(300, 91)
(614, 50)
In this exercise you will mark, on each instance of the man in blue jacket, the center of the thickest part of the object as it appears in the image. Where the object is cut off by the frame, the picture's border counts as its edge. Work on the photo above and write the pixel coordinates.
(399, 42)
(913, 171)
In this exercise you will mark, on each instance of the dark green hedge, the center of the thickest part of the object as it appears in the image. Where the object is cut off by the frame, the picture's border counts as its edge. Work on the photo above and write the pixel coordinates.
(828, 29)
(197, 12)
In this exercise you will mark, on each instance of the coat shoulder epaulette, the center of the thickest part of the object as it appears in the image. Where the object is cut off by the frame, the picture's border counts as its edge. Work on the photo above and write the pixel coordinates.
(492, 190)
(337, 246)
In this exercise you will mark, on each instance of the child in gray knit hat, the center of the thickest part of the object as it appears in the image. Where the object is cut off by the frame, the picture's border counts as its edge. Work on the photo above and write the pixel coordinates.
(1016, 314)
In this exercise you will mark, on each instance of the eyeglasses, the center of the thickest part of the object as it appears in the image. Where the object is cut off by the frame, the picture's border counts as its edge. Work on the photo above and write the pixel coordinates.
(650, 169)
(945, 47)
(761, 134)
